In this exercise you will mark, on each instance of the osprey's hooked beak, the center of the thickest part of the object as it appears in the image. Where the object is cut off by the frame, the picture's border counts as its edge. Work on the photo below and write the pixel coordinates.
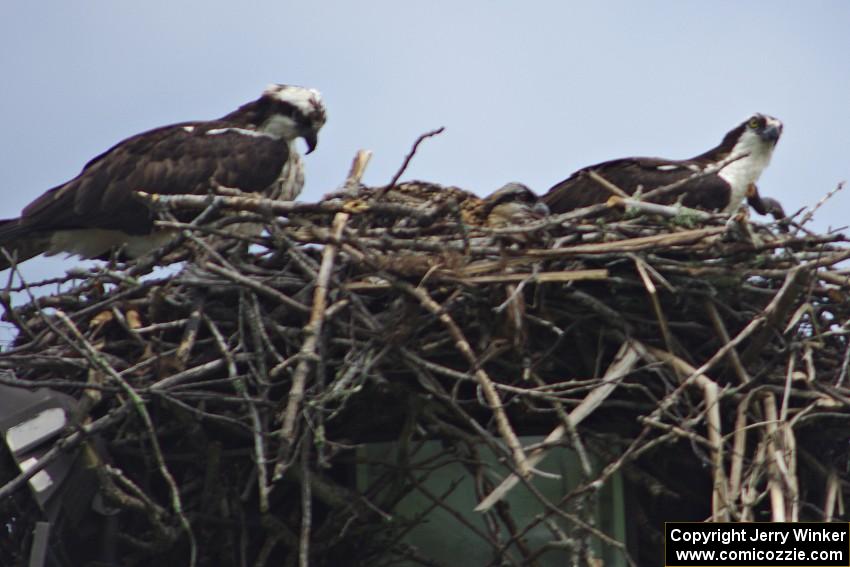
(310, 136)
(771, 133)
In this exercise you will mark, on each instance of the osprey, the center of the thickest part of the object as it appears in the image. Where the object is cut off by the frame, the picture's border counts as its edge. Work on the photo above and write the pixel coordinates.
(512, 204)
(251, 149)
(445, 220)
(720, 179)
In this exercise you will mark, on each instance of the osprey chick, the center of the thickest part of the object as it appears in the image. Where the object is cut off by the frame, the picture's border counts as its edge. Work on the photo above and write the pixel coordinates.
(512, 204)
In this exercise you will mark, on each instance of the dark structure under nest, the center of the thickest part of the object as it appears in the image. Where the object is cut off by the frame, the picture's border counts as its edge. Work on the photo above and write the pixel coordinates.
(318, 397)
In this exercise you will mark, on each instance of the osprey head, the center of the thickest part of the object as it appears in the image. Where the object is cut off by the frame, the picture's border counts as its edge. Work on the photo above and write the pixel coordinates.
(292, 112)
(755, 136)
(749, 146)
(513, 203)
(766, 128)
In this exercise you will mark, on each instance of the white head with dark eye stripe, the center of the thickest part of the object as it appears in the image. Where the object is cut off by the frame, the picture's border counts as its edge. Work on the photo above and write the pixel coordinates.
(292, 112)
(758, 133)
(750, 147)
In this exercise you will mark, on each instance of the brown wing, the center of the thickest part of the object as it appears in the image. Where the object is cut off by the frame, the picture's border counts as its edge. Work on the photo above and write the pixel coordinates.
(580, 190)
(19, 244)
(182, 158)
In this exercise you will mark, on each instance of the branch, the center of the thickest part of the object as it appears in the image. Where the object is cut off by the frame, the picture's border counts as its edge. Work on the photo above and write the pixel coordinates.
(380, 192)
(313, 330)
(711, 170)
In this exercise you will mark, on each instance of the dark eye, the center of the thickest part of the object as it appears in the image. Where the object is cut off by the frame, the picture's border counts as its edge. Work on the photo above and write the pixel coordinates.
(754, 123)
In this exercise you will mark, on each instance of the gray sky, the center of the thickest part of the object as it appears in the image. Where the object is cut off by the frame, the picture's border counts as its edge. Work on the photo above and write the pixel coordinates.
(527, 91)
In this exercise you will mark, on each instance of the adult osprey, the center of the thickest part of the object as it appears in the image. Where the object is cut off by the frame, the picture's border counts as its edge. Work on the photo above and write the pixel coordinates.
(731, 171)
(251, 149)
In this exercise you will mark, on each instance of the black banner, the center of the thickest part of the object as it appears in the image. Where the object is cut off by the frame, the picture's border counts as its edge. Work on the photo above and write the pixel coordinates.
(805, 544)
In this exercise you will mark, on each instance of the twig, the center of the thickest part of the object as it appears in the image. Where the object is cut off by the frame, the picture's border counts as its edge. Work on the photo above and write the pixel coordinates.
(686, 237)
(606, 184)
(667, 211)
(810, 214)
(257, 429)
(380, 192)
(257, 286)
(656, 303)
(540, 277)
(711, 170)
(313, 329)
(721, 331)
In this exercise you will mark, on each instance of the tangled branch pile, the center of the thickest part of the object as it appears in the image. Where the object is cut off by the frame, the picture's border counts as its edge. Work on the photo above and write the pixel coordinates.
(702, 366)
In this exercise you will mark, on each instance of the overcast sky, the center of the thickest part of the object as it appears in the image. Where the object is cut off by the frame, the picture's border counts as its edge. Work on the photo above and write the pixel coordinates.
(527, 91)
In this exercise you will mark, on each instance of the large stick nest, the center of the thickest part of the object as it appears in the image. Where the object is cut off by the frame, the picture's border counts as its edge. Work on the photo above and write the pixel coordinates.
(702, 360)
